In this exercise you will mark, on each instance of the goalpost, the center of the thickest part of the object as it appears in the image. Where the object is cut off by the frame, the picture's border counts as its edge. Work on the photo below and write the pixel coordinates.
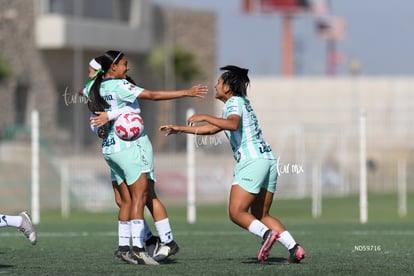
(363, 197)
(35, 167)
(402, 188)
(191, 187)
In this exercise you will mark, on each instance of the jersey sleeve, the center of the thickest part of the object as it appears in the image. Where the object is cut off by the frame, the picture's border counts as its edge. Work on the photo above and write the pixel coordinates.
(233, 107)
(128, 92)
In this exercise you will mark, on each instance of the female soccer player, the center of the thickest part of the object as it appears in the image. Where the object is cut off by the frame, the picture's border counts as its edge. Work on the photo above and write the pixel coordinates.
(122, 196)
(255, 174)
(22, 222)
(110, 91)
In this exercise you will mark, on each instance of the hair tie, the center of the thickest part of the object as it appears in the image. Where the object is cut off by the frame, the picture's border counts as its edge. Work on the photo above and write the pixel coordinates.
(91, 80)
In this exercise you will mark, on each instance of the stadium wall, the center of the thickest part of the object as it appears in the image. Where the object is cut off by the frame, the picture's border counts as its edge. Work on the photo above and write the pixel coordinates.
(315, 122)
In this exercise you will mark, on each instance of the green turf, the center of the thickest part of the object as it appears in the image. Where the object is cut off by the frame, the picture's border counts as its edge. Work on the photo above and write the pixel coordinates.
(336, 243)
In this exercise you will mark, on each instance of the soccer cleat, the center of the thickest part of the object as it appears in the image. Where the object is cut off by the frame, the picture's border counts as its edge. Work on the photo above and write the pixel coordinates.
(139, 256)
(165, 250)
(118, 253)
(152, 245)
(296, 254)
(268, 241)
(27, 228)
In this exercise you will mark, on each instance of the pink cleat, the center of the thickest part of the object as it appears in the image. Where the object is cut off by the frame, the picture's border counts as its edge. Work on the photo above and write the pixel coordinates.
(267, 244)
(296, 254)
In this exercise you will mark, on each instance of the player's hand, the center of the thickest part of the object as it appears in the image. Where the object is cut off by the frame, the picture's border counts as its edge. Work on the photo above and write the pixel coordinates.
(101, 132)
(100, 119)
(195, 119)
(169, 129)
(198, 91)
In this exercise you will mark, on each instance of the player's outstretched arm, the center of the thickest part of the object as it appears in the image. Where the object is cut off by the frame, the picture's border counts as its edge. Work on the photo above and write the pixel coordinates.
(206, 129)
(198, 91)
(231, 123)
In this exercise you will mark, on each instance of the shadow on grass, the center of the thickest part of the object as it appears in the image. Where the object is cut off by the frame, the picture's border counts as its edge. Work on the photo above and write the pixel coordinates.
(4, 266)
(168, 261)
(269, 261)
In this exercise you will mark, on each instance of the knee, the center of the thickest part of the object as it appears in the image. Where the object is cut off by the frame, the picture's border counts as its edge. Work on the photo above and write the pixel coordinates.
(234, 215)
(123, 201)
(126, 203)
(118, 202)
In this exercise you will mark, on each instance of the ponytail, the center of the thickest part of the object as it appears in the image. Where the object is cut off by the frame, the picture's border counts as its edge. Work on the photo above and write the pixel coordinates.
(129, 79)
(95, 101)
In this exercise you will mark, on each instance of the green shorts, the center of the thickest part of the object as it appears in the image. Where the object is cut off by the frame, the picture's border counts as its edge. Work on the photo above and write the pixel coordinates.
(254, 174)
(128, 165)
(145, 146)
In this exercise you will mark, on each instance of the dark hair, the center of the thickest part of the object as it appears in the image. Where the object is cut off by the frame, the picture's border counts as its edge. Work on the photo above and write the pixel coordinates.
(99, 59)
(131, 80)
(237, 79)
(95, 101)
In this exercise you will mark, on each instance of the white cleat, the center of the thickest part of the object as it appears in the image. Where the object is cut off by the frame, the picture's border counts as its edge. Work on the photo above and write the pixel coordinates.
(166, 250)
(141, 257)
(27, 228)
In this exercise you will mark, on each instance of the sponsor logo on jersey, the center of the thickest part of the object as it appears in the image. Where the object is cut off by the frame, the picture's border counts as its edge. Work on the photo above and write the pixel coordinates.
(108, 97)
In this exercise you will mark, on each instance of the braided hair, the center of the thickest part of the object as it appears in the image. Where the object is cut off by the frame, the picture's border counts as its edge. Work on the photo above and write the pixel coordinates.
(236, 78)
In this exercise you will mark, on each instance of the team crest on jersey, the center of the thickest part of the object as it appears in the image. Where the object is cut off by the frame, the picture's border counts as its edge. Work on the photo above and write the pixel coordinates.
(129, 86)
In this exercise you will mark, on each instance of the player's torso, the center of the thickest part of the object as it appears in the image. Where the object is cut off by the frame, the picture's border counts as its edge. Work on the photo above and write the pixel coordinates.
(117, 97)
(247, 141)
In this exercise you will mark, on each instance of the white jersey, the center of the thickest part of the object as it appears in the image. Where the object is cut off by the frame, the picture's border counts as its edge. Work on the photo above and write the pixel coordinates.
(247, 141)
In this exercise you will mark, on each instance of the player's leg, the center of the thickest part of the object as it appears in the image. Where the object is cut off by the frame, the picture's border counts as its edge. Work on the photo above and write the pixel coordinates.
(296, 252)
(250, 175)
(123, 200)
(247, 181)
(138, 191)
(239, 204)
(123, 197)
(22, 222)
(158, 211)
(168, 246)
(261, 210)
(128, 168)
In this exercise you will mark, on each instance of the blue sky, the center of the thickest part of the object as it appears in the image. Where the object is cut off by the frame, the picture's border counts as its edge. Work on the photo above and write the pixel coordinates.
(380, 35)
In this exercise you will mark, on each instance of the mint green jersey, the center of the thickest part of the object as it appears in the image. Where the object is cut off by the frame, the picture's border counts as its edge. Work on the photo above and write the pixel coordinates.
(118, 93)
(247, 141)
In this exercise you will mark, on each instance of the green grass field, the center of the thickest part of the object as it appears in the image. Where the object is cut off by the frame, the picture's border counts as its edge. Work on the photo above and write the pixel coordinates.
(336, 243)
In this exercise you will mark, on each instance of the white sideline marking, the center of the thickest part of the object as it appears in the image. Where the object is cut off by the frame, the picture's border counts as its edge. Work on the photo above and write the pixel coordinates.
(200, 233)
(384, 233)
(113, 234)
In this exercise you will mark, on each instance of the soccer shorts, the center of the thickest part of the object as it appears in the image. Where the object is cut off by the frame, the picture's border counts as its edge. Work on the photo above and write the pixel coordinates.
(127, 165)
(254, 174)
(145, 146)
